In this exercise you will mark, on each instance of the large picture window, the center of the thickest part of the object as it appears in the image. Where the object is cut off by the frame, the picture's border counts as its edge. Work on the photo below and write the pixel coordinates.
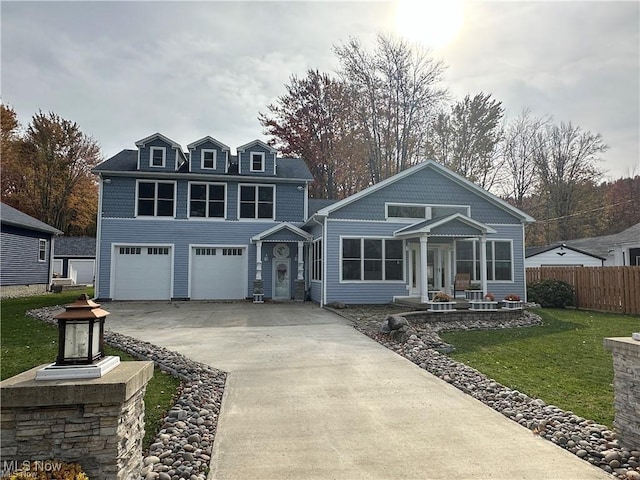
(499, 259)
(156, 199)
(371, 259)
(207, 200)
(257, 201)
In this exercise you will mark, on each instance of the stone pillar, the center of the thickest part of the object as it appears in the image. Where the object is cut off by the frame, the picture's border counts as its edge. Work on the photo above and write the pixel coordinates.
(626, 383)
(424, 281)
(300, 260)
(299, 294)
(259, 260)
(98, 423)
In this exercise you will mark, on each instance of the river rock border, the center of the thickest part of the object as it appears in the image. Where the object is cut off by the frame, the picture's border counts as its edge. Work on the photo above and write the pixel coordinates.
(420, 343)
(182, 448)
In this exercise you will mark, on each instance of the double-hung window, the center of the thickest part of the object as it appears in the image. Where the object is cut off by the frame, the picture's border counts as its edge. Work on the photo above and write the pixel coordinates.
(208, 160)
(257, 161)
(316, 260)
(372, 259)
(158, 156)
(257, 201)
(156, 199)
(42, 250)
(207, 200)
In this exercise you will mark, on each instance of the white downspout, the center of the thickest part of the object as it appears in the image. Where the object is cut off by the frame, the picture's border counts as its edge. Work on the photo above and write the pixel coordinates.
(323, 290)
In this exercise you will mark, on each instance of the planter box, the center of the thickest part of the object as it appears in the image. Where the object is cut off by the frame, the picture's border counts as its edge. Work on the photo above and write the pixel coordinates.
(512, 304)
(483, 305)
(473, 294)
(441, 306)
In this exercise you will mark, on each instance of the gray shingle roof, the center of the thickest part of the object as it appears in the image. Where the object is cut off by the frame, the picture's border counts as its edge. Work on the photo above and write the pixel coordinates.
(127, 161)
(12, 216)
(75, 247)
(316, 204)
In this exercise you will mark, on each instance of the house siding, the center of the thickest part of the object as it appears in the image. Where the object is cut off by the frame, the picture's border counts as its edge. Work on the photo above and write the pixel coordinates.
(426, 186)
(455, 227)
(365, 292)
(19, 249)
(181, 234)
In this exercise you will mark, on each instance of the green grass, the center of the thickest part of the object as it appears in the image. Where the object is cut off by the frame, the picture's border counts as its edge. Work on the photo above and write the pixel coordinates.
(563, 362)
(26, 343)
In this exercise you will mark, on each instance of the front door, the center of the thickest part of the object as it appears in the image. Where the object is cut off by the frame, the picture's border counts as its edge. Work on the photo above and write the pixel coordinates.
(435, 265)
(281, 283)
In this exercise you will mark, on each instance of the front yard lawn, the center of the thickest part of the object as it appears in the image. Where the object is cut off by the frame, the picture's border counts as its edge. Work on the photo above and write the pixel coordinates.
(27, 342)
(563, 362)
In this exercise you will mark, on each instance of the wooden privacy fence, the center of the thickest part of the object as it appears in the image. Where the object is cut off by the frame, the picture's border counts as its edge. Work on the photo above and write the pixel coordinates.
(609, 289)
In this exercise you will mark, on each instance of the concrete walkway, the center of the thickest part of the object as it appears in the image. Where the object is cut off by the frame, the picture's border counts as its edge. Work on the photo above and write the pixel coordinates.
(308, 397)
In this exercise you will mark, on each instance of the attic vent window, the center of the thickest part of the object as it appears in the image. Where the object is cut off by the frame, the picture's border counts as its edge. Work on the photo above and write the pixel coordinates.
(257, 161)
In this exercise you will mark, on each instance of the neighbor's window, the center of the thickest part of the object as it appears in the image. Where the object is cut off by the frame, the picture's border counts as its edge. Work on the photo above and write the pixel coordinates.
(156, 199)
(158, 156)
(42, 250)
(208, 159)
(257, 161)
(371, 259)
(256, 201)
(207, 200)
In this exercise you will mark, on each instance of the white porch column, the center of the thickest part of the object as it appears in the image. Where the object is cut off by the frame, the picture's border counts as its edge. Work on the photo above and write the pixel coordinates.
(483, 264)
(259, 260)
(424, 282)
(300, 260)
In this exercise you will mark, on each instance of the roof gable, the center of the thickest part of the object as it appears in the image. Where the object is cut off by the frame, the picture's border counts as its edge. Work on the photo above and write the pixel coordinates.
(429, 164)
(158, 135)
(453, 225)
(260, 143)
(209, 139)
(278, 228)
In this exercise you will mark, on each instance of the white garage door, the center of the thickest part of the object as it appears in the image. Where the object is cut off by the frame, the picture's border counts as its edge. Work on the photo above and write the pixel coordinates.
(82, 271)
(218, 273)
(142, 273)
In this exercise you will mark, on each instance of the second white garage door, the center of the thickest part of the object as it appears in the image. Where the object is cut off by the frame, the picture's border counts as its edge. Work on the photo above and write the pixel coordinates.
(142, 273)
(218, 273)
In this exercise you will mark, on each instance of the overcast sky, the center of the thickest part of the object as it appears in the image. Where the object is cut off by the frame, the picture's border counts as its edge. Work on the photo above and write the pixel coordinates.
(124, 70)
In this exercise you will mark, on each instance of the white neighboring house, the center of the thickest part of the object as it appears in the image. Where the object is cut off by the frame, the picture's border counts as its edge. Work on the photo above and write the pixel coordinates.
(560, 255)
(620, 249)
(74, 261)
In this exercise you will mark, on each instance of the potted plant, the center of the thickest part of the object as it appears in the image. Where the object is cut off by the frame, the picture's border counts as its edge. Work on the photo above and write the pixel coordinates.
(512, 302)
(487, 303)
(441, 302)
(474, 292)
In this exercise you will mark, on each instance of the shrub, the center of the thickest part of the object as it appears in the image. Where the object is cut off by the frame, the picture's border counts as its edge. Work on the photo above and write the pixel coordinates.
(551, 293)
(512, 297)
(441, 297)
(490, 297)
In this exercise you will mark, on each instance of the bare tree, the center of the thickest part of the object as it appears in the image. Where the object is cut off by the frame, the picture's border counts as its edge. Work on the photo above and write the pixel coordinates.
(518, 153)
(398, 91)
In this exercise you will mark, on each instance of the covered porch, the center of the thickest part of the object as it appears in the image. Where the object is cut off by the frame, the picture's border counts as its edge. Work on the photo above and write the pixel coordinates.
(431, 254)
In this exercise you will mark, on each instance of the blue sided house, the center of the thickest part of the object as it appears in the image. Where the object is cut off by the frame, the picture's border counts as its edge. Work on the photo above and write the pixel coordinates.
(207, 225)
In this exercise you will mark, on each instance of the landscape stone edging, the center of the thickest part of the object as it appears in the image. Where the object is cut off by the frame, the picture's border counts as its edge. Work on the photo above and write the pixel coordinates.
(184, 444)
(586, 439)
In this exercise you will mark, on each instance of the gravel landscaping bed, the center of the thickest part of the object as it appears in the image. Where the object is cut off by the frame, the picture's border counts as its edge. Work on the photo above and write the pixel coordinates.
(419, 343)
(182, 449)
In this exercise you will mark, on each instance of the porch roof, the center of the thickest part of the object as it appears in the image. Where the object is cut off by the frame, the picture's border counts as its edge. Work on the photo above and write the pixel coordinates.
(455, 225)
(264, 236)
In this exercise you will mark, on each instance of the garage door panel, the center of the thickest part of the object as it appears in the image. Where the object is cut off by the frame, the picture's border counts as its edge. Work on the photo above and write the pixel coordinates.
(218, 273)
(142, 273)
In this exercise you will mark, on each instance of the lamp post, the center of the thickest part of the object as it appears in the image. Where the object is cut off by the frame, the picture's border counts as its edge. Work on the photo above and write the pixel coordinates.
(80, 343)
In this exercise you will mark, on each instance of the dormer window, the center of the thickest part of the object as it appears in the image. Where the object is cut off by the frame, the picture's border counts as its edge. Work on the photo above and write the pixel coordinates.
(257, 161)
(208, 160)
(158, 156)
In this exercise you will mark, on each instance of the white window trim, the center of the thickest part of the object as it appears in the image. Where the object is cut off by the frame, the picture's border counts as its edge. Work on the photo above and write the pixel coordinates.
(312, 266)
(155, 206)
(262, 155)
(207, 217)
(492, 242)
(164, 157)
(255, 217)
(215, 155)
(42, 247)
(384, 271)
(428, 208)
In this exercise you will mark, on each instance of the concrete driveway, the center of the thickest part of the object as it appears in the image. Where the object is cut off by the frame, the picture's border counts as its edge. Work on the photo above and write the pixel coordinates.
(308, 397)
